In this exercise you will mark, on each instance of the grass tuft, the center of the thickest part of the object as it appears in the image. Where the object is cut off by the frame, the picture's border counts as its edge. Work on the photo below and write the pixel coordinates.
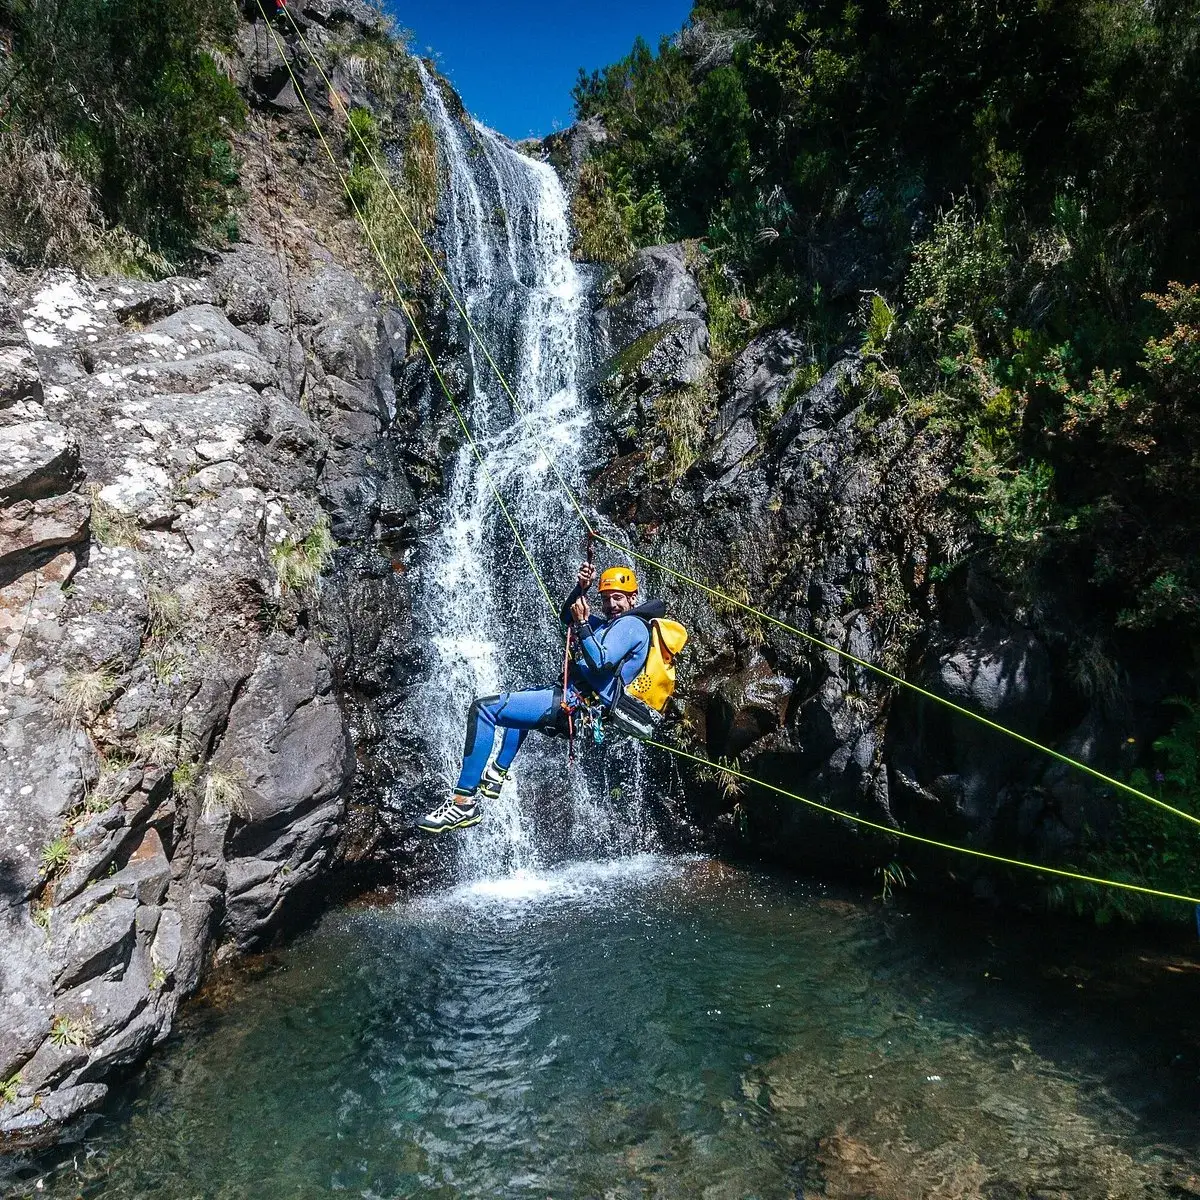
(299, 564)
(681, 418)
(161, 747)
(48, 215)
(600, 232)
(414, 190)
(224, 793)
(83, 693)
(112, 527)
(167, 614)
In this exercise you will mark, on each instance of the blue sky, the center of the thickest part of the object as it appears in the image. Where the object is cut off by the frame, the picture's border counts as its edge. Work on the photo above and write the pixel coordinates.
(515, 64)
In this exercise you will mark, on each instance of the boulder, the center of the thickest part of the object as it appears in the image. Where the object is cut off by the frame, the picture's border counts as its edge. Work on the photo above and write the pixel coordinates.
(97, 940)
(30, 526)
(26, 986)
(37, 458)
(20, 379)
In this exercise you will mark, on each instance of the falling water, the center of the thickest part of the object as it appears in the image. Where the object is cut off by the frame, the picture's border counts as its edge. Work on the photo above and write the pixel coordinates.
(506, 240)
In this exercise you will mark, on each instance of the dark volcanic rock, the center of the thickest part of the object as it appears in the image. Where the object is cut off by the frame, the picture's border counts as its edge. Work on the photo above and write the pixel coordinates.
(819, 503)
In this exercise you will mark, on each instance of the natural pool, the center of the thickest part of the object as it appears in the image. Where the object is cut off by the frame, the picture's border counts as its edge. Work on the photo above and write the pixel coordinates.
(657, 1027)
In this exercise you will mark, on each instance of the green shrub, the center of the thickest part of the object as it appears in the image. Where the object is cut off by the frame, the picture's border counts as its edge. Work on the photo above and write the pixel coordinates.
(126, 95)
(601, 234)
(1149, 846)
(184, 777)
(730, 320)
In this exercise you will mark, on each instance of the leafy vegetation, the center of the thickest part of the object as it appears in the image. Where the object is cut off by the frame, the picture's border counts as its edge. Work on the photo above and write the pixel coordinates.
(1150, 846)
(680, 419)
(996, 183)
(115, 124)
(184, 777)
(398, 208)
(66, 1031)
(995, 208)
(55, 855)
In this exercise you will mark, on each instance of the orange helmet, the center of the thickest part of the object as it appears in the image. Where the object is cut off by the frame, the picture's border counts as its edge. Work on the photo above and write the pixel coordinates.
(618, 579)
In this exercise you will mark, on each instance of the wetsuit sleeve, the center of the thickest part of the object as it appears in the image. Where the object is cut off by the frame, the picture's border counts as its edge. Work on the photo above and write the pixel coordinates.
(564, 613)
(625, 643)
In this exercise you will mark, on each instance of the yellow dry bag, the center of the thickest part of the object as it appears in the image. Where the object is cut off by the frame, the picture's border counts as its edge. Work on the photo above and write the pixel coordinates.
(656, 682)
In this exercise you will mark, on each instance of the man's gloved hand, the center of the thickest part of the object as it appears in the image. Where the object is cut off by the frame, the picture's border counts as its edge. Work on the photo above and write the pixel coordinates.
(587, 576)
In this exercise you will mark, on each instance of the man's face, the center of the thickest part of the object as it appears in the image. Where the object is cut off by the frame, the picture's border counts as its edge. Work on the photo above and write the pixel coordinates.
(617, 603)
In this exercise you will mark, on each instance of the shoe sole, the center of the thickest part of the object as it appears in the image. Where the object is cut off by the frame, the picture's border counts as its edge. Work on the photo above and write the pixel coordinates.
(435, 830)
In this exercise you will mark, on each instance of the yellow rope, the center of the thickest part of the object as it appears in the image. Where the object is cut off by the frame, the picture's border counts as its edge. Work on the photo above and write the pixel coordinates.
(717, 593)
(916, 837)
(863, 821)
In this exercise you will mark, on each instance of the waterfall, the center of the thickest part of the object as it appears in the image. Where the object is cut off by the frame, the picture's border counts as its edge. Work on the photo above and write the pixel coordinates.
(506, 240)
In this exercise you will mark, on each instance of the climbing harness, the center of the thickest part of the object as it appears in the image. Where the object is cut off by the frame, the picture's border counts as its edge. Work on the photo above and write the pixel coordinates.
(677, 751)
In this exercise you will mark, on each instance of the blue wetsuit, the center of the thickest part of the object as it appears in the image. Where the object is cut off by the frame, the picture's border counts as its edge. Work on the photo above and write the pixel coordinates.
(610, 654)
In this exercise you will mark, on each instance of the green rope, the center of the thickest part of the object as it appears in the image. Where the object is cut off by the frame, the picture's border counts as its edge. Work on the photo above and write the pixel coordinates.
(916, 837)
(683, 754)
(717, 593)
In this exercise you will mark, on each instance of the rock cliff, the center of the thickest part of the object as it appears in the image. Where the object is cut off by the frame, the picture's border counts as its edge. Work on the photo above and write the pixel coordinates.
(208, 491)
(803, 495)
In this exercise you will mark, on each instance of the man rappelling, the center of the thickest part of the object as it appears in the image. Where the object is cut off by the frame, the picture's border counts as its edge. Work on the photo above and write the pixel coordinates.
(618, 670)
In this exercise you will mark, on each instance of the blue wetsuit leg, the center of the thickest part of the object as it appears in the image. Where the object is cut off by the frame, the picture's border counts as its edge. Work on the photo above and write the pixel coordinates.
(514, 712)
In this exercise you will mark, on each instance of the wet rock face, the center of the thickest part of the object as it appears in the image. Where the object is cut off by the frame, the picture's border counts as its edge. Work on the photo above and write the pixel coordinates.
(811, 499)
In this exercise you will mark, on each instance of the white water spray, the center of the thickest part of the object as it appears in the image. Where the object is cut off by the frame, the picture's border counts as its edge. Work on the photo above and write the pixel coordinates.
(507, 244)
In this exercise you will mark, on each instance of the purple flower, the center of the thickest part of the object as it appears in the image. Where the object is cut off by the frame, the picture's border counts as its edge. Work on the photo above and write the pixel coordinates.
(1159, 777)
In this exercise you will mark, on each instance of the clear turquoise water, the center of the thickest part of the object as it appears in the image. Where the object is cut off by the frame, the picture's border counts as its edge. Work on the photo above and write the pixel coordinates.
(658, 1028)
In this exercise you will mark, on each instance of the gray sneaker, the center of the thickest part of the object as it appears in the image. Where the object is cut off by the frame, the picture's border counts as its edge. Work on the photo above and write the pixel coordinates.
(492, 782)
(450, 815)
